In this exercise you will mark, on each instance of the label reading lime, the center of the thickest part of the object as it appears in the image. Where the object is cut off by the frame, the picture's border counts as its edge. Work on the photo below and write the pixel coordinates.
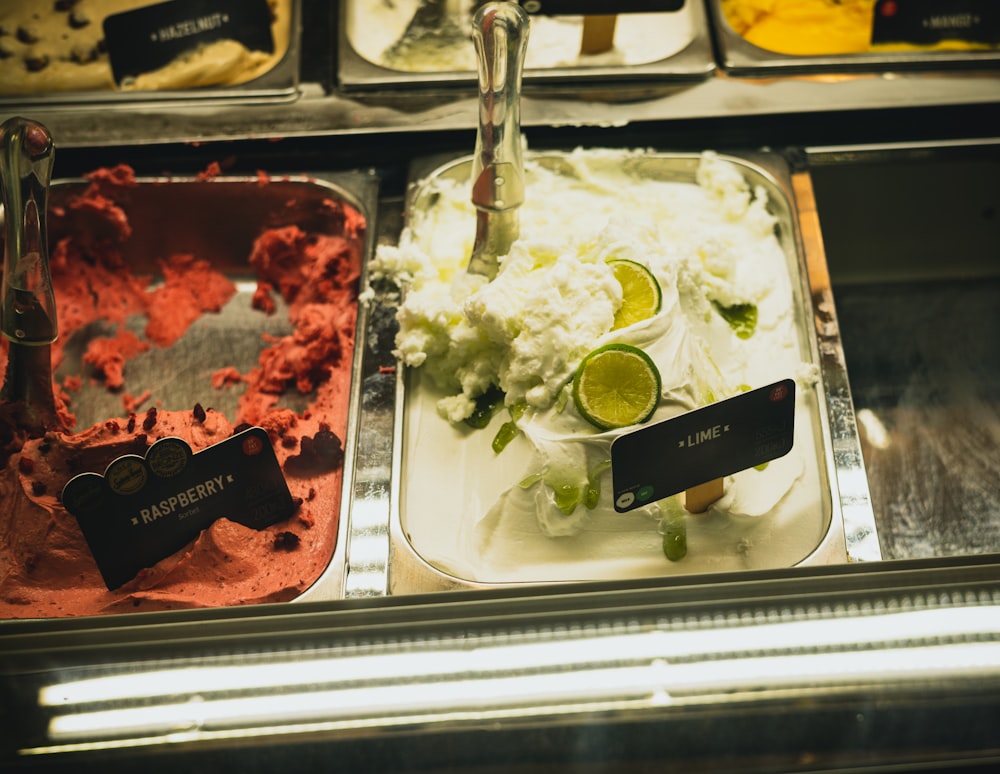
(717, 440)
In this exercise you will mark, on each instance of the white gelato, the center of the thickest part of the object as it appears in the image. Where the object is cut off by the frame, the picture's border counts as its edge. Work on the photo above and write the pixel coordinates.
(375, 27)
(541, 509)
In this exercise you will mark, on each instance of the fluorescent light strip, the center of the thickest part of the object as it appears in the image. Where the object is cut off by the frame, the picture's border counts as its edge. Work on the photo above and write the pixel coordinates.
(585, 651)
(657, 683)
(366, 702)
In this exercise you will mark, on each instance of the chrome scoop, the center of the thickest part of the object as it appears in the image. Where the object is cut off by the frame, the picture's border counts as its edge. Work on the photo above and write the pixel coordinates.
(28, 310)
(500, 34)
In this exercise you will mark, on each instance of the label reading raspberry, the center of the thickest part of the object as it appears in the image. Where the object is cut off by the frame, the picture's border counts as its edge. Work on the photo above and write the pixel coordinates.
(143, 509)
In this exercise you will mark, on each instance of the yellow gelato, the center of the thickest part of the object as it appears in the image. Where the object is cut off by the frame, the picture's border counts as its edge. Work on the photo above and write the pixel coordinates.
(816, 27)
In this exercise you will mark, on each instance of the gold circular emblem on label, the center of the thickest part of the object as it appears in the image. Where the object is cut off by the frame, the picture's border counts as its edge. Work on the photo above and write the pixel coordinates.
(84, 494)
(168, 457)
(126, 475)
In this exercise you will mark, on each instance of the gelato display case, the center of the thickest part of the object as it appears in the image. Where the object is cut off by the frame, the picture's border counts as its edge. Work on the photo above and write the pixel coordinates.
(852, 627)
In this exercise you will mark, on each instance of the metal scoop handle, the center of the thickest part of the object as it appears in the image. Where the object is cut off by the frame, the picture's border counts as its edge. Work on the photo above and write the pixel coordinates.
(28, 313)
(500, 35)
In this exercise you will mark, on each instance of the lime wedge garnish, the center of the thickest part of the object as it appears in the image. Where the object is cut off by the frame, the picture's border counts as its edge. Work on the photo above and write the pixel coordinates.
(641, 294)
(615, 386)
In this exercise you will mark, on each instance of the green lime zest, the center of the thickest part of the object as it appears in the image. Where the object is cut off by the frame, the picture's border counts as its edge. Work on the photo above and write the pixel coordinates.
(742, 318)
(674, 527)
(566, 497)
(531, 479)
(566, 493)
(592, 492)
(508, 430)
(487, 405)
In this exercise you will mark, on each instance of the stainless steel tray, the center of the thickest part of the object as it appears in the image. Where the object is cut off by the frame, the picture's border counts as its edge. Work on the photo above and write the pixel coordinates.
(914, 313)
(217, 220)
(849, 530)
(279, 84)
(358, 68)
(739, 57)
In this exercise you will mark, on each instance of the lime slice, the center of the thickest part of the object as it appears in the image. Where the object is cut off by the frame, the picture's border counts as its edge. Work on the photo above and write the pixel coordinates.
(641, 294)
(615, 386)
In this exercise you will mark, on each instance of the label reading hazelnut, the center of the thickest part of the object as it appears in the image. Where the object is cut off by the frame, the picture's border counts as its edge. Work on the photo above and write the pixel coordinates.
(153, 36)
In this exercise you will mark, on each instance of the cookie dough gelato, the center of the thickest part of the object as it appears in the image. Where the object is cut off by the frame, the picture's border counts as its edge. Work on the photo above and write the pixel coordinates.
(60, 46)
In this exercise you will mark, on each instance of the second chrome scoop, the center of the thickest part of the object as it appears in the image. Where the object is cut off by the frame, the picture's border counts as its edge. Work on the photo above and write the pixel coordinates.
(500, 34)
(28, 308)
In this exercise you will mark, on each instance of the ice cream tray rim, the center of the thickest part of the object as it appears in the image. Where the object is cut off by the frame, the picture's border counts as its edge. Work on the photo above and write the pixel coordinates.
(694, 62)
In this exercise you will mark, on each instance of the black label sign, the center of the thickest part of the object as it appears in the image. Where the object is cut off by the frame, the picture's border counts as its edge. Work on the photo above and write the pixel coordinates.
(145, 508)
(598, 7)
(153, 36)
(718, 440)
(924, 22)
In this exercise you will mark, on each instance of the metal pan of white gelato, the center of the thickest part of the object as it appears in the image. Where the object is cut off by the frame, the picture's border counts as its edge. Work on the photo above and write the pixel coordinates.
(378, 47)
(718, 233)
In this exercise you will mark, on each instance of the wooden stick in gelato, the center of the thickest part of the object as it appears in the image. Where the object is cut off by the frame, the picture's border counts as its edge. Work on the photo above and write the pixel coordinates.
(598, 34)
(698, 498)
